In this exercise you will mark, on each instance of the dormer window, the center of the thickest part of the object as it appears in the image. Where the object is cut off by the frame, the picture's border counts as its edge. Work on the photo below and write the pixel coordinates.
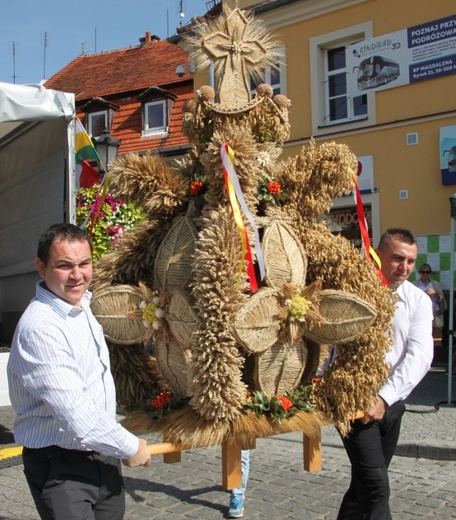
(157, 105)
(155, 118)
(97, 122)
(99, 115)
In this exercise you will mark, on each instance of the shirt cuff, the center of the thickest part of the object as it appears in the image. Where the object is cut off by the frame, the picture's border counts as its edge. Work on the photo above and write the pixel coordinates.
(130, 447)
(388, 394)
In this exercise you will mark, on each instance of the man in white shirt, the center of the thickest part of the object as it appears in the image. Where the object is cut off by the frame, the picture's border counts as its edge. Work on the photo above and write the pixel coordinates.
(62, 390)
(371, 443)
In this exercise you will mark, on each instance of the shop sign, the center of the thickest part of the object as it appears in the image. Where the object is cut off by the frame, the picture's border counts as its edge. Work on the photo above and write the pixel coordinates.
(344, 221)
(419, 53)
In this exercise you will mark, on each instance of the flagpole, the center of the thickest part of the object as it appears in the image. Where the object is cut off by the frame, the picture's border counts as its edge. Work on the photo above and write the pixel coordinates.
(451, 306)
(71, 170)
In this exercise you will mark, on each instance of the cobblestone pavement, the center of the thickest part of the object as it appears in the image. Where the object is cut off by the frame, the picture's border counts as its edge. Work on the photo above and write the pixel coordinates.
(278, 487)
(422, 474)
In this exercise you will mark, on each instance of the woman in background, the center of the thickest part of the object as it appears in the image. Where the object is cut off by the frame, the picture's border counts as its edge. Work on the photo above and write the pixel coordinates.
(434, 290)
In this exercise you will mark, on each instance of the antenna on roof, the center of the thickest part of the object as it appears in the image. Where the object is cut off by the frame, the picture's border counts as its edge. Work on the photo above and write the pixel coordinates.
(44, 57)
(181, 12)
(14, 50)
(83, 51)
(95, 39)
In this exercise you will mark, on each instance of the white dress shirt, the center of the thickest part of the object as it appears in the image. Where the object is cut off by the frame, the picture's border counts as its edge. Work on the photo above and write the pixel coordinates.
(60, 382)
(413, 349)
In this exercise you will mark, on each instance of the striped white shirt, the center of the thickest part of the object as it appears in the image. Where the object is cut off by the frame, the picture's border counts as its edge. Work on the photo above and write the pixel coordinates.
(60, 382)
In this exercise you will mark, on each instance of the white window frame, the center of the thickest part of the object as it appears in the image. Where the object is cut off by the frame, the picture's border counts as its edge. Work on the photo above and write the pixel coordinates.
(91, 116)
(319, 47)
(156, 129)
(339, 98)
(281, 86)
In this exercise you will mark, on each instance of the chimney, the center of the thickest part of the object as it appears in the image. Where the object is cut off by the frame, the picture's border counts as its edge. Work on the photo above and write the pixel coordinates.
(148, 39)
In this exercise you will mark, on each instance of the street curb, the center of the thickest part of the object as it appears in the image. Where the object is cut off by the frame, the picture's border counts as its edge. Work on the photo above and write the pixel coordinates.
(416, 449)
(10, 456)
(425, 450)
(10, 462)
(10, 451)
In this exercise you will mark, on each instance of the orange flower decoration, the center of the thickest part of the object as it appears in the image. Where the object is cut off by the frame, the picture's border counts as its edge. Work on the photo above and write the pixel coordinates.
(286, 402)
(273, 187)
(161, 400)
(196, 187)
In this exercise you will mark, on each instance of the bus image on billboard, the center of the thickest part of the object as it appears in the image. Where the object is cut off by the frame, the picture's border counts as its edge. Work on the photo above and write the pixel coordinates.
(376, 71)
(451, 159)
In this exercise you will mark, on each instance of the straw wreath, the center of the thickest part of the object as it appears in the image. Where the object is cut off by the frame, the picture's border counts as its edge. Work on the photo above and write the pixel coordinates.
(219, 343)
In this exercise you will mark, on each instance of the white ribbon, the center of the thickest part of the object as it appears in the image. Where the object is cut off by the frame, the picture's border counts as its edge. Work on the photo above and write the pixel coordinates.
(237, 189)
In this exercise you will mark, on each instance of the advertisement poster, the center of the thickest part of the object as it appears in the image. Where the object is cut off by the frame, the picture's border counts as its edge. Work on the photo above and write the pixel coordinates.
(419, 53)
(448, 154)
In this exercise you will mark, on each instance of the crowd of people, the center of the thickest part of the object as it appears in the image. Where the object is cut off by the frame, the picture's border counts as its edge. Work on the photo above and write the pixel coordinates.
(62, 390)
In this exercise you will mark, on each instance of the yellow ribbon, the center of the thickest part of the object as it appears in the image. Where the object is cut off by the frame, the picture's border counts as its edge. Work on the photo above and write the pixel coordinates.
(237, 201)
(239, 223)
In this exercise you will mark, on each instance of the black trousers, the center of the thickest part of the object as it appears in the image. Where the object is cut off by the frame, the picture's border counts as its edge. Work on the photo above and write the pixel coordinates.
(74, 485)
(370, 448)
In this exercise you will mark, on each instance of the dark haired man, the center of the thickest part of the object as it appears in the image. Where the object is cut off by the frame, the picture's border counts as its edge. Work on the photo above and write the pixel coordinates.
(63, 392)
(371, 443)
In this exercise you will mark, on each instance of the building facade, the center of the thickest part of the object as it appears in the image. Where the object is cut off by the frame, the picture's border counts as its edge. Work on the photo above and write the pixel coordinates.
(380, 77)
(134, 93)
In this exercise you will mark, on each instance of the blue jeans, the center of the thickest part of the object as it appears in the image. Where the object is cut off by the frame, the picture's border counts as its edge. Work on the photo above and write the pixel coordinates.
(239, 492)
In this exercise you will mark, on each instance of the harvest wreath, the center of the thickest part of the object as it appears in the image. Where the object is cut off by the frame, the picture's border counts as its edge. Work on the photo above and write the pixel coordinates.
(252, 286)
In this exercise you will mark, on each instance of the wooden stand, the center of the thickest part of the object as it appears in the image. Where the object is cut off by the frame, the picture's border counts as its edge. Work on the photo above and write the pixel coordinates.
(312, 452)
(231, 457)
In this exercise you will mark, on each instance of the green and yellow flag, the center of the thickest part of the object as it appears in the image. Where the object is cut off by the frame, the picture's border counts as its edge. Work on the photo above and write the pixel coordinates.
(85, 151)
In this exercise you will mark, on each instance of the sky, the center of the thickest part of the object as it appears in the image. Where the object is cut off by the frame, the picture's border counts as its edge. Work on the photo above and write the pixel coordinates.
(73, 27)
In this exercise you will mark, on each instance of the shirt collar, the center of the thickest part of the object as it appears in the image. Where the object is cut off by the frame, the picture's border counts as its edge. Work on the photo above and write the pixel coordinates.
(58, 305)
(400, 291)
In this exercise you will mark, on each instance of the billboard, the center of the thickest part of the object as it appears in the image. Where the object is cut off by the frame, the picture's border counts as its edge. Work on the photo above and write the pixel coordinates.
(419, 53)
(448, 154)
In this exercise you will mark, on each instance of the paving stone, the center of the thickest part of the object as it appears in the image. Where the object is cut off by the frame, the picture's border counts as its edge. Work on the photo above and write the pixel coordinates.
(279, 488)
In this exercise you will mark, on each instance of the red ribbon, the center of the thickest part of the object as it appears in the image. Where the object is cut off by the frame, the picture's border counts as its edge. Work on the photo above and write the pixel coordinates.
(368, 249)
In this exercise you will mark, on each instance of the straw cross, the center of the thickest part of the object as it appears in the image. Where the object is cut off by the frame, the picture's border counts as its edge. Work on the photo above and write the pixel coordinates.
(232, 50)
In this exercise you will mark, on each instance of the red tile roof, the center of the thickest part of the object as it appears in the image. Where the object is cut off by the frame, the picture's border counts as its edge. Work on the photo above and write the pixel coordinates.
(124, 70)
(119, 77)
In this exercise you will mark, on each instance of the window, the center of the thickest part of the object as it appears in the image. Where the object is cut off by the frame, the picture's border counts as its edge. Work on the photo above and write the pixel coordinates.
(99, 115)
(339, 106)
(155, 120)
(331, 102)
(275, 77)
(157, 105)
(98, 121)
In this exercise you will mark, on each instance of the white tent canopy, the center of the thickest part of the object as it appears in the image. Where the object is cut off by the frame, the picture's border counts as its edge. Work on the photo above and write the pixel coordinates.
(20, 103)
(37, 170)
(33, 103)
